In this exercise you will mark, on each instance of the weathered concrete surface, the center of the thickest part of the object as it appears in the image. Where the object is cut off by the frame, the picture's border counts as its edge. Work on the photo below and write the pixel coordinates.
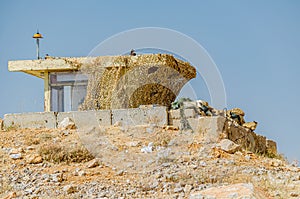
(129, 81)
(140, 116)
(38, 67)
(188, 113)
(209, 128)
(118, 82)
(30, 120)
(212, 129)
(87, 119)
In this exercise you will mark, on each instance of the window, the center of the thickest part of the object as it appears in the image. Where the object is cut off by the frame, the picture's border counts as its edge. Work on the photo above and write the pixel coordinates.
(68, 90)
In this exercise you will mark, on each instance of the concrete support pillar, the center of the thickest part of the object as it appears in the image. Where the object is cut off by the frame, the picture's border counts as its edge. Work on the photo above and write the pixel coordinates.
(47, 93)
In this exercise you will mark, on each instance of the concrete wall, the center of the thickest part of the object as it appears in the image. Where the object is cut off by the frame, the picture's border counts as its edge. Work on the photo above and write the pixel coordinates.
(209, 128)
(88, 119)
(206, 129)
(139, 116)
(30, 120)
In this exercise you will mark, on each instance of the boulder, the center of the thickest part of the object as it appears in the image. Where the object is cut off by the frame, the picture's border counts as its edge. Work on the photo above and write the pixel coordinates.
(93, 163)
(237, 115)
(15, 156)
(35, 159)
(67, 123)
(229, 146)
(250, 125)
(237, 111)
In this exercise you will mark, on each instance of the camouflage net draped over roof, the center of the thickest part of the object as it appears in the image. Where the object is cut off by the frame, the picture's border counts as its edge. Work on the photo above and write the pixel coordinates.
(129, 81)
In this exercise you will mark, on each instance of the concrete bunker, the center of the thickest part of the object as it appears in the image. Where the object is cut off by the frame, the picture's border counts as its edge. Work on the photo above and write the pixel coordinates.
(108, 82)
(151, 93)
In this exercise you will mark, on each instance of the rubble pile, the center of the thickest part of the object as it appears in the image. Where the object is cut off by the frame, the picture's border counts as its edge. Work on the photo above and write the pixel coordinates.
(202, 108)
(192, 115)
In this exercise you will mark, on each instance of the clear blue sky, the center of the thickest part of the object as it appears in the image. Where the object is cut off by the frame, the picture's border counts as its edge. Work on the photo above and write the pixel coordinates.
(255, 45)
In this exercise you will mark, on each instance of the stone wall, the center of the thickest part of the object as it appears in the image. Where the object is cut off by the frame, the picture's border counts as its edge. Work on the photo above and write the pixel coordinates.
(218, 127)
(208, 129)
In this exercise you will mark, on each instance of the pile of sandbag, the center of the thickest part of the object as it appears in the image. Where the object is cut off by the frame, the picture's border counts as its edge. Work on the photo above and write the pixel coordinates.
(202, 108)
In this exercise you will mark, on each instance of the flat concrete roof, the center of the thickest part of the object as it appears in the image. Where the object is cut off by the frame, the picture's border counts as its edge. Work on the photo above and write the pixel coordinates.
(60, 64)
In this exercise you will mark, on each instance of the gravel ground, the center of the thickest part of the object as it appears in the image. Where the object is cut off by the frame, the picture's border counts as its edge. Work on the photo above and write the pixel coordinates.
(41, 163)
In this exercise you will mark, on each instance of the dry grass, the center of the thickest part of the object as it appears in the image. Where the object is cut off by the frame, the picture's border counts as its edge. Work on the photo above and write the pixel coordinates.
(57, 153)
(35, 140)
(162, 138)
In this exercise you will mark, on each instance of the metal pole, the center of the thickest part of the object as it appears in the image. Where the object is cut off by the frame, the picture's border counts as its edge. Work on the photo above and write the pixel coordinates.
(38, 48)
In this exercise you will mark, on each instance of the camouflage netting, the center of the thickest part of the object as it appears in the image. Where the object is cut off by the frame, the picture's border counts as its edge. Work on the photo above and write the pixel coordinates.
(129, 81)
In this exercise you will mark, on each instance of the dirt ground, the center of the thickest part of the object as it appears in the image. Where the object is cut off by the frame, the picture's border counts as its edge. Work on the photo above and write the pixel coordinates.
(131, 162)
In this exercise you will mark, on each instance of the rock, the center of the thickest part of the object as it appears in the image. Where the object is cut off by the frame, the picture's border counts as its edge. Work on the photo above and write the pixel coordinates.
(76, 172)
(35, 159)
(13, 151)
(67, 123)
(65, 132)
(132, 191)
(201, 103)
(187, 188)
(237, 111)
(11, 195)
(30, 148)
(276, 163)
(154, 185)
(202, 163)
(271, 147)
(81, 173)
(15, 156)
(173, 128)
(247, 157)
(120, 173)
(147, 149)
(237, 115)
(250, 125)
(69, 189)
(293, 194)
(178, 189)
(132, 144)
(241, 190)
(57, 177)
(93, 163)
(229, 146)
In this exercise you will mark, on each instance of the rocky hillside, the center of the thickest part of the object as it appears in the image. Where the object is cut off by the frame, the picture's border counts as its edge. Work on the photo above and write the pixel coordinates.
(41, 163)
